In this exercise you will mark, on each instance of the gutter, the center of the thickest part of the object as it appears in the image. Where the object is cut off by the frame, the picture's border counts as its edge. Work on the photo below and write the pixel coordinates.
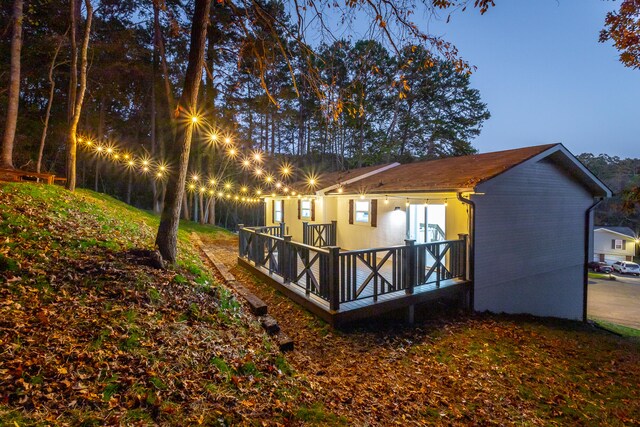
(587, 235)
(472, 245)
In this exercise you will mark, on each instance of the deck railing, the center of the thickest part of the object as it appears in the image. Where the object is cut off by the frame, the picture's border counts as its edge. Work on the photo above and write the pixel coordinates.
(339, 277)
(319, 235)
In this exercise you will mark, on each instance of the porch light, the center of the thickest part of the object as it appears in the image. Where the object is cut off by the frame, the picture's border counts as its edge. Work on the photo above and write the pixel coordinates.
(407, 203)
(446, 202)
(340, 189)
(426, 202)
(362, 197)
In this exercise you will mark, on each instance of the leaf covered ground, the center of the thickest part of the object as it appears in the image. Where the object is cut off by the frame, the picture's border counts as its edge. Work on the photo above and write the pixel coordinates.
(91, 334)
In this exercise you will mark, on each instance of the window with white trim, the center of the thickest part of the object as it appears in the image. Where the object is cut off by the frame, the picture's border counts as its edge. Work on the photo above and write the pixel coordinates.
(618, 244)
(277, 211)
(305, 208)
(362, 211)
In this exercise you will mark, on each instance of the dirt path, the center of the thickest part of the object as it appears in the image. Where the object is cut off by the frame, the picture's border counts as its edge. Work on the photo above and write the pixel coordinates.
(435, 372)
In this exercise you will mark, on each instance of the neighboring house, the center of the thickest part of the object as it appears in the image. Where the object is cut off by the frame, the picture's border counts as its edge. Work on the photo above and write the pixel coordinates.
(611, 244)
(525, 215)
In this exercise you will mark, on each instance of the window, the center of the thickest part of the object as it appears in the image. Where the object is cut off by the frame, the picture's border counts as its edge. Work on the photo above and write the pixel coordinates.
(618, 244)
(305, 208)
(362, 211)
(277, 211)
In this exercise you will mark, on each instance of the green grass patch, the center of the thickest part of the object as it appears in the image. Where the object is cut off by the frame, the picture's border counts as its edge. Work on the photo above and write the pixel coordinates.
(601, 276)
(317, 414)
(624, 331)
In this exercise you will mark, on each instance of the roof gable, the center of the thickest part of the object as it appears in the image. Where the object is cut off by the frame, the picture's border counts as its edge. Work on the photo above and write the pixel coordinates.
(623, 231)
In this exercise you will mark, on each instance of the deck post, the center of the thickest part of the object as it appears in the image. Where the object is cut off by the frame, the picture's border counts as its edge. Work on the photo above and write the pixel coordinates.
(240, 234)
(285, 259)
(305, 232)
(281, 229)
(409, 265)
(333, 235)
(464, 237)
(334, 278)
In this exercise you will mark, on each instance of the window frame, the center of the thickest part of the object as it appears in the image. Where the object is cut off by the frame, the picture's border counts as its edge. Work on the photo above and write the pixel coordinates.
(356, 210)
(278, 208)
(618, 244)
(303, 209)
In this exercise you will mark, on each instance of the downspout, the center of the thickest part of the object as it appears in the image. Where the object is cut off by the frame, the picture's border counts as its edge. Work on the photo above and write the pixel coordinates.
(587, 236)
(472, 245)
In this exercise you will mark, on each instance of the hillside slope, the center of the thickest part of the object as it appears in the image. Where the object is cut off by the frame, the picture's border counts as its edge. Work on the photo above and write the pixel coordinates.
(91, 333)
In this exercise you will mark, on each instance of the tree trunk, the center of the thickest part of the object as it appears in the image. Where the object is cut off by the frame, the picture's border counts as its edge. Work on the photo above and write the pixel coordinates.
(73, 128)
(6, 160)
(211, 219)
(73, 71)
(167, 237)
(52, 86)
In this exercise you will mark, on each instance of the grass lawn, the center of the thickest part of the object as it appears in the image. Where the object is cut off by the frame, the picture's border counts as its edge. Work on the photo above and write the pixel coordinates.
(92, 334)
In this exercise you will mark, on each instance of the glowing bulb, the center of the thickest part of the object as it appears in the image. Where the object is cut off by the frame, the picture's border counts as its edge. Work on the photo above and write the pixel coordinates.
(386, 200)
(312, 181)
(159, 174)
(89, 142)
(145, 169)
(227, 140)
(246, 163)
(109, 150)
(194, 119)
(340, 190)
(192, 187)
(236, 198)
(258, 172)
(286, 190)
(228, 196)
(446, 202)
(278, 185)
(203, 189)
(145, 163)
(362, 197)
(213, 137)
(195, 177)
(244, 189)
(269, 178)
(211, 192)
(227, 186)
(259, 192)
(407, 203)
(293, 193)
(257, 156)
(220, 194)
(116, 156)
(212, 182)
(99, 148)
(273, 194)
(163, 168)
(126, 156)
(285, 170)
(130, 162)
(232, 152)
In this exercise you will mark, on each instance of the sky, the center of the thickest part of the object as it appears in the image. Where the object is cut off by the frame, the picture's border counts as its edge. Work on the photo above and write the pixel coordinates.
(546, 78)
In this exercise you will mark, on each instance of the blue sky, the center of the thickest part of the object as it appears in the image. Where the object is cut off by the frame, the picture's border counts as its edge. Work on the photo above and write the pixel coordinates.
(546, 78)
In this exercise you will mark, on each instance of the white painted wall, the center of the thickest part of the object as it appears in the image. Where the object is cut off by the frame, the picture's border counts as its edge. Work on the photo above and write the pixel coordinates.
(530, 236)
(602, 245)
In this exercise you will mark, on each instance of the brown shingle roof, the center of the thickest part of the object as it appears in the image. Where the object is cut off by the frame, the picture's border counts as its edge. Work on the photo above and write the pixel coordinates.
(448, 174)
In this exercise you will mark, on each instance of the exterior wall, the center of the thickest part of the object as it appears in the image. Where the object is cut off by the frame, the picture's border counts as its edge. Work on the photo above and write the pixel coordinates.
(530, 242)
(602, 246)
(391, 228)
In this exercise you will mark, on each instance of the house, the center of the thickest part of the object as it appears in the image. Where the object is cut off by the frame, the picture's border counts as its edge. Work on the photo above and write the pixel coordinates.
(611, 244)
(510, 229)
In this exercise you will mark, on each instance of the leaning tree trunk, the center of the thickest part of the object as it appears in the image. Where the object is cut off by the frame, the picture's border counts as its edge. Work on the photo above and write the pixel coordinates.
(52, 87)
(6, 159)
(167, 237)
(77, 109)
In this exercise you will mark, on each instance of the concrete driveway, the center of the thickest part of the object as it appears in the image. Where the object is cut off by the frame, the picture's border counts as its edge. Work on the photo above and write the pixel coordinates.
(615, 301)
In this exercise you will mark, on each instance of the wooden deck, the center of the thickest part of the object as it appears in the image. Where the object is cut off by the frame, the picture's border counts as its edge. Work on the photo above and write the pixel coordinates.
(365, 306)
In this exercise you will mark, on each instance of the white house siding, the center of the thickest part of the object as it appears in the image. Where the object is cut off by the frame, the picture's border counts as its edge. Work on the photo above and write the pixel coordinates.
(602, 246)
(390, 230)
(530, 231)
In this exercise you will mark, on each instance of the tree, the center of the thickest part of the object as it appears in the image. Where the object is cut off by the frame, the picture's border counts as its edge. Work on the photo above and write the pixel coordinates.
(6, 160)
(167, 236)
(623, 28)
(72, 138)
